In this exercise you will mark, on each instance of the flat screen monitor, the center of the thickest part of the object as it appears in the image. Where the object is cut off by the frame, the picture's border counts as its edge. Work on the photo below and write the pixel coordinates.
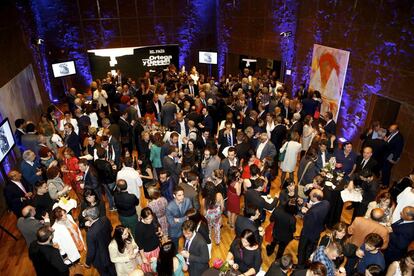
(63, 69)
(6, 139)
(207, 57)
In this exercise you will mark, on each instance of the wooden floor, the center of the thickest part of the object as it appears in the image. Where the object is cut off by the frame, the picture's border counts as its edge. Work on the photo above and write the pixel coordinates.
(14, 258)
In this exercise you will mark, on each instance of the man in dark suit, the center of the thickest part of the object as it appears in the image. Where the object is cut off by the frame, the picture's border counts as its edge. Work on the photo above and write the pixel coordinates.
(45, 257)
(106, 175)
(30, 140)
(297, 125)
(180, 125)
(330, 126)
(278, 134)
(395, 146)
(207, 122)
(401, 236)
(72, 140)
(379, 148)
(365, 161)
(126, 132)
(17, 192)
(19, 124)
(205, 140)
(135, 110)
(254, 197)
(286, 112)
(283, 229)
(90, 178)
(313, 225)
(247, 221)
(323, 154)
(243, 146)
(115, 145)
(156, 106)
(168, 111)
(172, 164)
(309, 106)
(195, 249)
(98, 238)
(112, 127)
(251, 120)
(226, 137)
(230, 161)
(192, 88)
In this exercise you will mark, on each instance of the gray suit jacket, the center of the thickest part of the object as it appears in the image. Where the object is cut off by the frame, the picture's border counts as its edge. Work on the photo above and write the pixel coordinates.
(173, 211)
(167, 113)
(269, 150)
(209, 167)
(199, 256)
(173, 168)
(31, 142)
(28, 227)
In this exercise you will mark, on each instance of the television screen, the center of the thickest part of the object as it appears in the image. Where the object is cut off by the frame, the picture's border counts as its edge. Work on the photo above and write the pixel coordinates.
(6, 138)
(207, 57)
(64, 69)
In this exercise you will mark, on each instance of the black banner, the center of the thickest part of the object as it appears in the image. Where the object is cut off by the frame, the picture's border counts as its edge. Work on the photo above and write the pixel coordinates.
(133, 62)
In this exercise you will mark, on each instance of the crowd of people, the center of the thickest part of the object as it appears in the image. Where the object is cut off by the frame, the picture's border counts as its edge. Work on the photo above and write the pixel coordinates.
(207, 153)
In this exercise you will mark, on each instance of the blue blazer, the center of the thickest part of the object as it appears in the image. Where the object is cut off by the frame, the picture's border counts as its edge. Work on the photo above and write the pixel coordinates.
(29, 172)
(173, 211)
(400, 238)
(313, 221)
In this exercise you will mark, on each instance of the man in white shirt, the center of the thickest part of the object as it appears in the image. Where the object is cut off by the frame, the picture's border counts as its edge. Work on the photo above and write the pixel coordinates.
(68, 119)
(405, 198)
(132, 178)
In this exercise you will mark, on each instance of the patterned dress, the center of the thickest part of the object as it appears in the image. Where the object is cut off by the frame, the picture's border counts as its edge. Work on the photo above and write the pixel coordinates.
(159, 207)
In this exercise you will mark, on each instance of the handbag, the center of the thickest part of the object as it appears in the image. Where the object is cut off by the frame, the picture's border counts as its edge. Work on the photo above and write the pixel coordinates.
(283, 153)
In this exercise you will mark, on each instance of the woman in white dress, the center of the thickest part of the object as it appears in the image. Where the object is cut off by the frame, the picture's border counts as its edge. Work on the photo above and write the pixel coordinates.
(292, 148)
(67, 235)
(123, 251)
(308, 133)
(404, 267)
(194, 75)
(270, 124)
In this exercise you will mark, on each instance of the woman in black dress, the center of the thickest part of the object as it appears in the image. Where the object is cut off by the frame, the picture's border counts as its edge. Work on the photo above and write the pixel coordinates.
(147, 237)
(245, 254)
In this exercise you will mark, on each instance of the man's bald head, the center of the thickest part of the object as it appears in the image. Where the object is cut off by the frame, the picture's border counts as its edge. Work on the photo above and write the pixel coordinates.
(28, 211)
(316, 195)
(377, 214)
(407, 213)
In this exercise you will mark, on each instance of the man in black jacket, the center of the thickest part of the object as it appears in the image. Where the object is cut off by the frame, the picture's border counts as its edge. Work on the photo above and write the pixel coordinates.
(247, 221)
(284, 227)
(45, 257)
(90, 178)
(98, 238)
(313, 225)
(106, 176)
(126, 205)
(195, 249)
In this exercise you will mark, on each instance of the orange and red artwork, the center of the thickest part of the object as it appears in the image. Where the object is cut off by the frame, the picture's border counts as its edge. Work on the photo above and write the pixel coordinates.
(327, 76)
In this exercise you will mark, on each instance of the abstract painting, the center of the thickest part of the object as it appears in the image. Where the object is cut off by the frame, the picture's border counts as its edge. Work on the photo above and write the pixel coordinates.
(327, 76)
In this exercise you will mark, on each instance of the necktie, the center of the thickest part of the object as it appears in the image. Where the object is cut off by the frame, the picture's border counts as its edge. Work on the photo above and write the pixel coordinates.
(191, 91)
(187, 245)
(229, 139)
(364, 162)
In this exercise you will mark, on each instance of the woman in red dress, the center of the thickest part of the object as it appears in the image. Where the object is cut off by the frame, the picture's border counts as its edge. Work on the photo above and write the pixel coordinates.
(233, 195)
(70, 171)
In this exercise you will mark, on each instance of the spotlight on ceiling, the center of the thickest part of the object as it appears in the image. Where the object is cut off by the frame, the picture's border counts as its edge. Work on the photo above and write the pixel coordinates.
(286, 34)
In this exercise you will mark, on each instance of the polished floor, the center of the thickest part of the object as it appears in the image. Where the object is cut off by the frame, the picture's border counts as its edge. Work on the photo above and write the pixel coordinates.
(14, 258)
